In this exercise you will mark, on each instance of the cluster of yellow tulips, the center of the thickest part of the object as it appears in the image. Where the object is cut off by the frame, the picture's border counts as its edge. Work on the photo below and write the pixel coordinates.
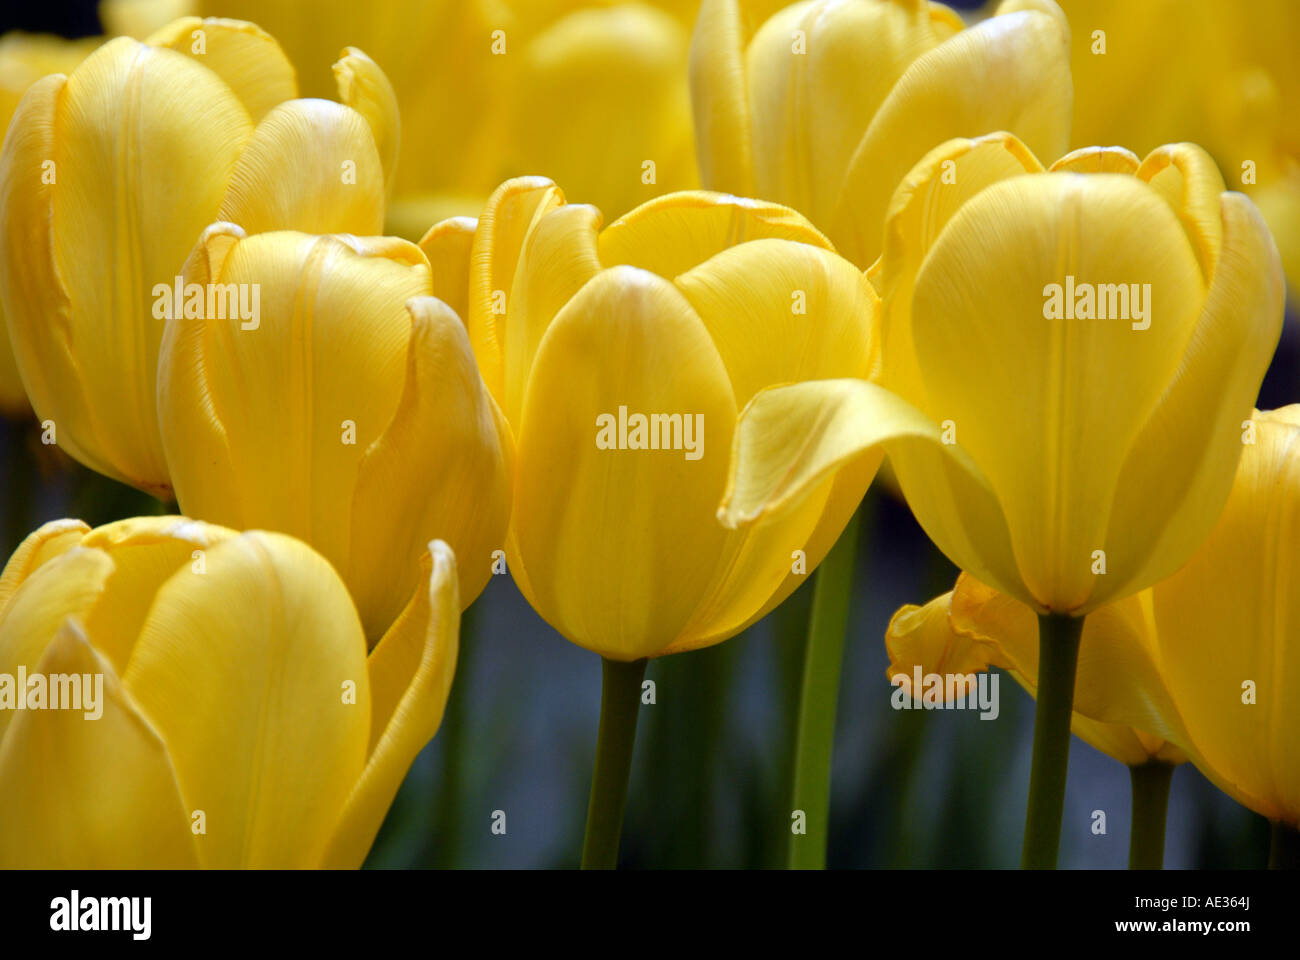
(353, 327)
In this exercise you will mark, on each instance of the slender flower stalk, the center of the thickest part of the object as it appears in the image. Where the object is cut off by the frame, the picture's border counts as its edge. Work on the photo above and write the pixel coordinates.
(1146, 846)
(823, 658)
(620, 699)
(1058, 659)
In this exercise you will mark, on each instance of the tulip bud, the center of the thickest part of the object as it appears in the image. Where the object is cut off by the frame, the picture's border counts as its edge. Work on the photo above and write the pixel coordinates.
(110, 173)
(347, 413)
(1069, 355)
(194, 697)
(824, 106)
(621, 357)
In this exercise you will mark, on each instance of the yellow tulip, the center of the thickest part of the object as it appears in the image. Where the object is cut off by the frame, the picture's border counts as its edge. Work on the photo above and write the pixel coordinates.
(586, 91)
(109, 174)
(24, 59)
(1205, 659)
(1220, 74)
(349, 413)
(207, 699)
(972, 628)
(1069, 353)
(824, 106)
(682, 309)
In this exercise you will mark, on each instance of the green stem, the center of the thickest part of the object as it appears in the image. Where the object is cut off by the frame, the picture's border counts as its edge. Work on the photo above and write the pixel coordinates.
(1284, 847)
(620, 701)
(823, 658)
(1146, 844)
(1058, 657)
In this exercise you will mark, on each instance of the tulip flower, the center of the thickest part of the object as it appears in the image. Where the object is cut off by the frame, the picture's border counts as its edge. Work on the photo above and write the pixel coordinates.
(181, 695)
(349, 413)
(971, 629)
(517, 86)
(1066, 358)
(621, 357)
(24, 59)
(108, 176)
(824, 106)
(1202, 660)
(1222, 75)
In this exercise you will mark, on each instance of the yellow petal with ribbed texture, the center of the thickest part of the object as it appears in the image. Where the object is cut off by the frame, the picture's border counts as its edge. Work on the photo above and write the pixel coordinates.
(448, 245)
(719, 97)
(781, 312)
(63, 589)
(817, 74)
(242, 54)
(38, 547)
(559, 256)
(442, 468)
(790, 439)
(618, 537)
(1097, 160)
(1227, 625)
(1030, 389)
(1010, 72)
(145, 551)
(37, 306)
(147, 142)
(410, 677)
(927, 198)
(364, 87)
(1200, 420)
(1186, 176)
(311, 165)
(291, 405)
(503, 227)
(672, 234)
(244, 673)
(80, 791)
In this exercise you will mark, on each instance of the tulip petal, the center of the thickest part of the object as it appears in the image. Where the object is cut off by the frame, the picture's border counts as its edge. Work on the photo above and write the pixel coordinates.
(1042, 418)
(337, 179)
(37, 305)
(503, 228)
(1098, 160)
(1227, 623)
(39, 547)
(781, 312)
(244, 673)
(84, 792)
(927, 198)
(242, 54)
(123, 227)
(446, 458)
(619, 541)
(410, 677)
(817, 74)
(448, 245)
(672, 234)
(1201, 418)
(559, 256)
(301, 396)
(62, 589)
(1010, 72)
(1185, 175)
(790, 439)
(365, 88)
